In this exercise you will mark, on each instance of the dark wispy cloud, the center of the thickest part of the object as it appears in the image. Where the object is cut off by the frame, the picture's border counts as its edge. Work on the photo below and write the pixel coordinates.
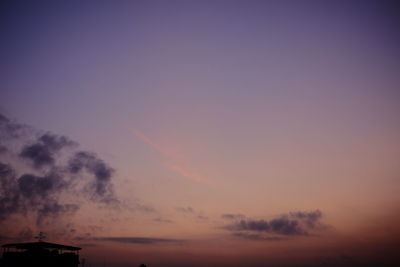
(202, 217)
(199, 216)
(144, 207)
(231, 216)
(291, 224)
(43, 151)
(3, 149)
(10, 129)
(25, 234)
(9, 197)
(258, 237)
(54, 209)
(187, 209)
(57, 168)
(162, 220)
(140, 240)
(100, 188)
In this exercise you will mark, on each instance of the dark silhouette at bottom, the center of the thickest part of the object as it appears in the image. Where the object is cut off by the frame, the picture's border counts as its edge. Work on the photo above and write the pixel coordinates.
(39, 254)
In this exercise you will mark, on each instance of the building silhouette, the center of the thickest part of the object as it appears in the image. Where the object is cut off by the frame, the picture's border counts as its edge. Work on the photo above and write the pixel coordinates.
(39, 254)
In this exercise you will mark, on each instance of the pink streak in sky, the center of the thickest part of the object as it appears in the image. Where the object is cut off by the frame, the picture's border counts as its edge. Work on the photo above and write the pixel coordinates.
(174, 162)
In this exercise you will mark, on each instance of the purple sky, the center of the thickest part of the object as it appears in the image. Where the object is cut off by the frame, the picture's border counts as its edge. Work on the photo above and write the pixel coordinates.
(209, 108)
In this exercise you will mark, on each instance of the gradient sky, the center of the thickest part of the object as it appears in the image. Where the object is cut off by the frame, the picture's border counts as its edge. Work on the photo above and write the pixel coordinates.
(258, 109)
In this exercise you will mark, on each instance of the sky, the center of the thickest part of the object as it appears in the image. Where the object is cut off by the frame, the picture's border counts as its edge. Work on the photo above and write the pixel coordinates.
(195, 133)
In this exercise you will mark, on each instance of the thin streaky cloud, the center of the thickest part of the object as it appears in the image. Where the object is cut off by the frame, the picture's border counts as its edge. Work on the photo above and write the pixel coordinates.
(186, 173)
(174, 164)
(147, 140)
(140, 240)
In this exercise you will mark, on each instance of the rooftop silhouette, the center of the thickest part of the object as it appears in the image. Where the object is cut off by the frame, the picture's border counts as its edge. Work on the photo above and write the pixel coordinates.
(43, 254)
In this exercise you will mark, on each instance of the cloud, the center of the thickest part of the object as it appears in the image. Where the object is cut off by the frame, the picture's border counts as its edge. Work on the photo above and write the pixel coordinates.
(140, 240)
(53, 208)
(39, 154)
(9, 197)
(87, 245)
(311, 219)
(34, 188)
(184, 172)
(25, 234)
(187, 209)
(57, 169)
(100, 188)
(42, 152)
(202, 217)
(230, 216)
(174, 161)
(144, 208)
(147, 140)
(258, 237)
(10, 129)
(162, 220)
(3, 149)
(292, 224)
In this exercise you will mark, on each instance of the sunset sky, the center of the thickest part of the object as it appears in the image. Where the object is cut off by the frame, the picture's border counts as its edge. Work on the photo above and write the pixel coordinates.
(203, 133)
